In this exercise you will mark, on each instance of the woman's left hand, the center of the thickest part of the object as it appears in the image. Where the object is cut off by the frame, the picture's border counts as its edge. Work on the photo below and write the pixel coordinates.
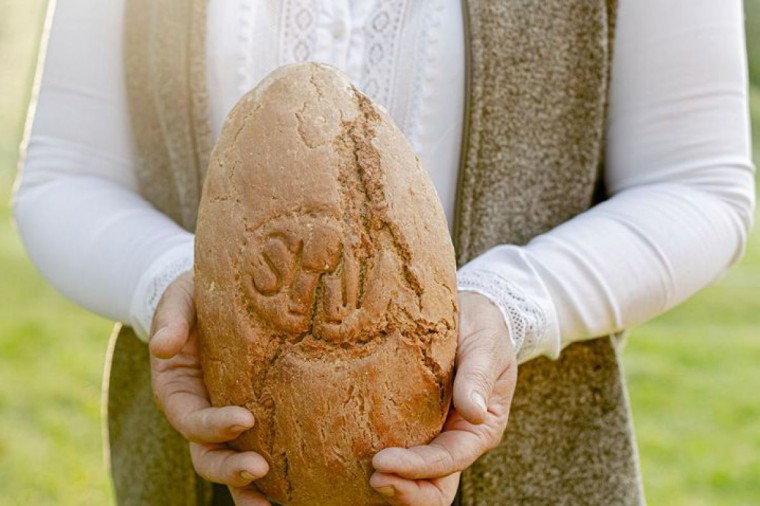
(486, 374)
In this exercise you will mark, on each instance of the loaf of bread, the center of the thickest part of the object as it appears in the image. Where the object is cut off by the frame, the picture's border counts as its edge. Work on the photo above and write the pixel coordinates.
(325, 286)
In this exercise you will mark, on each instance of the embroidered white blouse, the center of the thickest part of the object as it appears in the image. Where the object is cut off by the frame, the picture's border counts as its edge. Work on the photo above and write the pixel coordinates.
(678, 164)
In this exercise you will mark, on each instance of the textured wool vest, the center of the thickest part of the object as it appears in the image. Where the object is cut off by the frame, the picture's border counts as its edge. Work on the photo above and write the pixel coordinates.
(532, 153)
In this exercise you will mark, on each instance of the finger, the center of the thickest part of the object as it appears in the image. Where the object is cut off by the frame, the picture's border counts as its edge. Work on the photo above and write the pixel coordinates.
(191, 415)
(220, 465)
(248, 497)
(174, 318)
(449, 452)
(400, 492)
(478, 367)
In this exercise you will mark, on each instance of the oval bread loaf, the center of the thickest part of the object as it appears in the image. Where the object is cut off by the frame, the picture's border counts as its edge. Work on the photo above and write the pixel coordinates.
(325, 286)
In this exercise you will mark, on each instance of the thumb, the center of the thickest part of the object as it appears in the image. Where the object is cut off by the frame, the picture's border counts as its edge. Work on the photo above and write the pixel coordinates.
(477, 371)
(174, 318)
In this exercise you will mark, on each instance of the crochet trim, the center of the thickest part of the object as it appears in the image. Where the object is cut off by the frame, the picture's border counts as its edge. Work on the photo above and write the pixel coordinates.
(526, 320)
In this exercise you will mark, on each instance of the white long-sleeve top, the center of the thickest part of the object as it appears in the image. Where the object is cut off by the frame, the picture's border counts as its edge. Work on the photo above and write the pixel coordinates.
(678, 166)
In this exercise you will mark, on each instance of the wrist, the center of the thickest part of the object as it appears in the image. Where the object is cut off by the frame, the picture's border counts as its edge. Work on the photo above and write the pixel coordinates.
(162, 272)
(488, 313)
(525, 320)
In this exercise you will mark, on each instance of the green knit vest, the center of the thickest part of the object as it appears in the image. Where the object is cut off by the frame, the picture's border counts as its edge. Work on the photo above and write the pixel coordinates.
(532, 155)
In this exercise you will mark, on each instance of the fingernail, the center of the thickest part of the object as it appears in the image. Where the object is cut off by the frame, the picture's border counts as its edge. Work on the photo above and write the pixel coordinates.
(481, 403)
(386, 491)
(159, 334)
(247, 476)
(238, 428)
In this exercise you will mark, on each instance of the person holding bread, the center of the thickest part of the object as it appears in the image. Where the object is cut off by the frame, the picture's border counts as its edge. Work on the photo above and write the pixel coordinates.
(592, 158)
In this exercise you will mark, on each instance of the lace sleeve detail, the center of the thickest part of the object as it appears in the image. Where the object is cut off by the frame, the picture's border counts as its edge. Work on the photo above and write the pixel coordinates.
(525, 319)
(153, 285)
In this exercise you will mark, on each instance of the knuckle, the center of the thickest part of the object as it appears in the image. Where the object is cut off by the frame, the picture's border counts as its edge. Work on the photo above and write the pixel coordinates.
(225, 473)
(178, 421)
(478, 376)
(200, 427)
(204, 421)
(162, 315)
(200, 464)
(183, 425)
(444, 462)
(183, 431)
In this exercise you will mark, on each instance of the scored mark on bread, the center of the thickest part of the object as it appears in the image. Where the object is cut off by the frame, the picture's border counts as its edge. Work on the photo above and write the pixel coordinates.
(325, 243)
(311, 275)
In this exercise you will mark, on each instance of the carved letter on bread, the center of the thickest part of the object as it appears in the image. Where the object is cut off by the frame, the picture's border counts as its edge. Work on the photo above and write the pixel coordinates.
(325, 286)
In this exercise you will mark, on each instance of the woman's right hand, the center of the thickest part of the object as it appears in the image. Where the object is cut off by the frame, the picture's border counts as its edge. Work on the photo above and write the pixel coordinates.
(178, 387)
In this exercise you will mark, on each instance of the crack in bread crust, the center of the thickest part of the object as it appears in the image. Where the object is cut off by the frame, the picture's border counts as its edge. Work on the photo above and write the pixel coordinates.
(342, 256)
(322, 288)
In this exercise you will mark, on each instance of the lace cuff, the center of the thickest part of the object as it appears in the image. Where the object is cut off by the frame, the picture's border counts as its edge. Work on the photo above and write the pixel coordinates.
(525, 319)
(154, 282)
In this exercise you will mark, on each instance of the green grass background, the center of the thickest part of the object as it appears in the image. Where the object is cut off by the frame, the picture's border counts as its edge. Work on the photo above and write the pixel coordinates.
(694, 372)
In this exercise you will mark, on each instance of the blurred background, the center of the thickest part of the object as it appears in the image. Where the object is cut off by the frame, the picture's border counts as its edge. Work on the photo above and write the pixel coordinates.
(694, 373)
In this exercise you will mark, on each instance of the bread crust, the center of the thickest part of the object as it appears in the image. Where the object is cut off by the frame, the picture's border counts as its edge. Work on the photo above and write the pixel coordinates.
(325, 285)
